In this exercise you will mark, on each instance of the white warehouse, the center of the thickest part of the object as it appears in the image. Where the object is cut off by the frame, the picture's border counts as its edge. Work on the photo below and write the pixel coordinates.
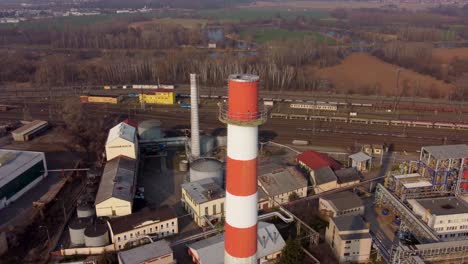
(19, 172)
(122, 141)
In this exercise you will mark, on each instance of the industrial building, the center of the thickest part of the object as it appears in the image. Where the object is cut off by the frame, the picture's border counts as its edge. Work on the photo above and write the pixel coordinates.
(158, 252)
(210, 251)
(349, 239)
(325, 179)
(160, 96)
(157, 224)
(30, 130)
(122, 141)
(409, 186)
(342, 203)
(117, 188)
(280, 183)
(446, 166)
(19, 172)
(447, 216)
(204, 200)
(361, 161)
(311, 160)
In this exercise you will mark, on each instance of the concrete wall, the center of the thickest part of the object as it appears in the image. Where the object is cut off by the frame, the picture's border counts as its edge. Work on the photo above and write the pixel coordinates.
(109, 206)
(3, 243)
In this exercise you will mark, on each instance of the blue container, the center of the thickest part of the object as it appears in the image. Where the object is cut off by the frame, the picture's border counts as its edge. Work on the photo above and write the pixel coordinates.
(385, 212)
(397, 222)
(185, 106)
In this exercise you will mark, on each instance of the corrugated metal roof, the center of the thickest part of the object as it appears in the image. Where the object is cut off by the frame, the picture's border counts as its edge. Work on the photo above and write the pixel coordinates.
(448, 151)
(360, 157)
(211, 250)
(15, 160)
(147, 252)
(344, 200)
(282, 180)
(30, 127)
(122, 130)
(315, 160)
(118, 180)
(204, 190)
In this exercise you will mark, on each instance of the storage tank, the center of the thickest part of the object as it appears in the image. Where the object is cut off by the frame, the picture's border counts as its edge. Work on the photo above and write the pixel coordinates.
(149, 130)
(183, 165)
(85, 210)
(96, 235)
(77, 228)
(204, 168)
(207, 144)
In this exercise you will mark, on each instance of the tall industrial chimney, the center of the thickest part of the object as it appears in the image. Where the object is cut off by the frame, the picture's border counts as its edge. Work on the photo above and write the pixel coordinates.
(195, 129)
(242, 118)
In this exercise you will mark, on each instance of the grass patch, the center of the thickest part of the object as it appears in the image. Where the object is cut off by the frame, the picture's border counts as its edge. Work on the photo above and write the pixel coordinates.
(262, 35)
(259, 14)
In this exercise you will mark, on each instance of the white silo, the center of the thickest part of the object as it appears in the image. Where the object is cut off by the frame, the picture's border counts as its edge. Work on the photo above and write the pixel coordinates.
(205, 168)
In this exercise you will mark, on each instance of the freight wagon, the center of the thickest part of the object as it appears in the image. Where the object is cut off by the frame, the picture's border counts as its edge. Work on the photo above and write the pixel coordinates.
(323, 106)
(101, 99)
(3, 108)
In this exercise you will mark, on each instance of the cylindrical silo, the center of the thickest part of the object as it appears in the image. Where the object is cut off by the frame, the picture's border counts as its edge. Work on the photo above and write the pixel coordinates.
(150, 130)
(76, 228)
(85, 210)
(204, 168)
(183, 165)
(96, 235)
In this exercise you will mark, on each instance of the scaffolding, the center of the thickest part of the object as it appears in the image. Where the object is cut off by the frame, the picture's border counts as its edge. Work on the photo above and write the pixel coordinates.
(412, 186)
(445, 166)
(441, 252)
(409, 222)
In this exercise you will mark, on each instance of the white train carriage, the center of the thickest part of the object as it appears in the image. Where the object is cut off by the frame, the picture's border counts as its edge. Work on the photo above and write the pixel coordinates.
(359, 121)
(321, 107)
(425, 124)
(293, 117)
(339, 119)
(320, 118)
(379, 122)
(278, 115)
(445, 125)
(462, 126)
(400, 123)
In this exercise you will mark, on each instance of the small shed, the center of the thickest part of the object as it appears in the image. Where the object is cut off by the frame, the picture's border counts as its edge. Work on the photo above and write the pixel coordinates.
(361, 161)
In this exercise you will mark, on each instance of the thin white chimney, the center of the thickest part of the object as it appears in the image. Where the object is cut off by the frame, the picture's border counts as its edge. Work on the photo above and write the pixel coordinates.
(195, 126)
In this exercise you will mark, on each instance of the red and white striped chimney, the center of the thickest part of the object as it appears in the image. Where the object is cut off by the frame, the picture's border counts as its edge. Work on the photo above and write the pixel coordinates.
(242, 117)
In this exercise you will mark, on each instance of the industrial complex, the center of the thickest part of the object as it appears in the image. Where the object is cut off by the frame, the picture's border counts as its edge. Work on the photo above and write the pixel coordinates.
(181, 195)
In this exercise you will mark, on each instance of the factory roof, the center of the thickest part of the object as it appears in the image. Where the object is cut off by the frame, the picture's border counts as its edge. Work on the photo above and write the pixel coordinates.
(324, 175)
(262, 194)
(355, 236)
(315, 160)
(344, 200)
(350, 223)
(131, 122)
(360, 157)
(282, 180)
(147, 252)
(404, 176)
(12, 163)
(30, 127)
(448, 151)
(443, 205)
(347, 175)
(204, 190)
(135, 220)
(118, 180)
(122, 130)
(211, 250)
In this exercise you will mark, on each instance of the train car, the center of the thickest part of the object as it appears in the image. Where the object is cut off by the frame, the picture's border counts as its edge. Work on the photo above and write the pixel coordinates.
(462, 126)
(359, 121)
(339, 119)
(84, 99)
(186, 106)
(320, 118)
(379, 122)
(3, 108)
(445, 125)
(426, 124)
(304, 117)
(104, 99)
(367, 105)
(322, 107)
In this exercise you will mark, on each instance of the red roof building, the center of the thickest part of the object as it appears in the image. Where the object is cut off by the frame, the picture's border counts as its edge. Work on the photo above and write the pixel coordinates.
(131, 123)
(313, 160)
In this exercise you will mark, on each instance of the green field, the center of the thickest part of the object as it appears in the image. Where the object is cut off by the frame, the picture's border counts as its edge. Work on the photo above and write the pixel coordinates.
(262, 35)
(259, 14)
